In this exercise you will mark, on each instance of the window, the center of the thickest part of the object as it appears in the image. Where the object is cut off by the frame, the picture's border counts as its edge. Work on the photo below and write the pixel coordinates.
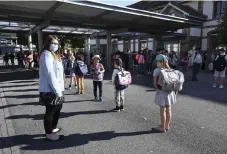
(218, 10)
(200, 6)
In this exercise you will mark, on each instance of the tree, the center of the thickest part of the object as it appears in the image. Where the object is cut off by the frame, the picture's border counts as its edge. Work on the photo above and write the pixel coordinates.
(63, 41)
(222, 30)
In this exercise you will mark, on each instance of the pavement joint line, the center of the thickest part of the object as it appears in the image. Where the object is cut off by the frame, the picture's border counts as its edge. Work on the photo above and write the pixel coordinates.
(8, 125)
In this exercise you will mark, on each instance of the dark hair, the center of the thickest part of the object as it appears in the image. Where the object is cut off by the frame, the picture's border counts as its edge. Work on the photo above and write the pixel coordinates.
(80, 57)
(48, 41)
(118, 62)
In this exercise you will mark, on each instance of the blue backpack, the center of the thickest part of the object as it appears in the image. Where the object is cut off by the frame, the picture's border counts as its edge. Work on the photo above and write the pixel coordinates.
(80, 69)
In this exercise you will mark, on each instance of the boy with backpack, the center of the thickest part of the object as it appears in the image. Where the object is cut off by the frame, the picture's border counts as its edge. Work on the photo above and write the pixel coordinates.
(97, 70)
(80, 71)
(220, 64)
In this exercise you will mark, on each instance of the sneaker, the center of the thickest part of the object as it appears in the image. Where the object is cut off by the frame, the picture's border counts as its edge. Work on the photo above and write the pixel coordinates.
(96, 99)
(117, 109)
(214, 86)
(81, 93)
(56, 130)
(122, 108)
(158, 130)
(53, 137)
(100, 99)
(221, 86)
(69, 88)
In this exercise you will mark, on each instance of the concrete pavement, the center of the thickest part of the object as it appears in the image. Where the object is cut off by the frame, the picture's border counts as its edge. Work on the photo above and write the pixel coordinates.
(199, 120)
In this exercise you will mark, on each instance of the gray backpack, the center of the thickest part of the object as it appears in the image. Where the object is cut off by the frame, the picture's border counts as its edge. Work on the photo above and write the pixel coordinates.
(171, 80)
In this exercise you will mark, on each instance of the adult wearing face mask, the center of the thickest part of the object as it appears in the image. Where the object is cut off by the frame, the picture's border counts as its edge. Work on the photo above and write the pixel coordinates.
(51, 86)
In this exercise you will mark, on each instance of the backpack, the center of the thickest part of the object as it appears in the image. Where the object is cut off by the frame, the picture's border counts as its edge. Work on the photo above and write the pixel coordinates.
(81, 69)
(220, 63)
(122, 80)
(171, 80)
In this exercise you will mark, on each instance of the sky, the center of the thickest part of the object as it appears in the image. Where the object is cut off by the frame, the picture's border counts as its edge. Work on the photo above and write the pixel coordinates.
(119, 2)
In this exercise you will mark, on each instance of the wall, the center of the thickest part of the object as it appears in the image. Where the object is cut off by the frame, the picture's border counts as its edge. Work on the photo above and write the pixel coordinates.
(208, 9)
(193, 4)
(195, 31)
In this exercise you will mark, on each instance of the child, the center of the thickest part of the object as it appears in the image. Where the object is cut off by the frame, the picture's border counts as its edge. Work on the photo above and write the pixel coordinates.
(119, 94)
(79, 75)
(163, 99)
(71, 62)
(97, 70)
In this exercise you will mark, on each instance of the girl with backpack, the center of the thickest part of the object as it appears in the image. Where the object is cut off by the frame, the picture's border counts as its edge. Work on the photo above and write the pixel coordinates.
(119, 94)
(163, 99)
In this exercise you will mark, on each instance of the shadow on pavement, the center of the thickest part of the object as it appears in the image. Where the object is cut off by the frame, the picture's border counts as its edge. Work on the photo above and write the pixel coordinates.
(11, 75)
(63, 114)
(38, 142)
(22, 96)
(20, 90)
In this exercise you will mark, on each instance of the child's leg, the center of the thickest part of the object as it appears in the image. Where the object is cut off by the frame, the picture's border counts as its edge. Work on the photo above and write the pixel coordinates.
(70, 82)
(122, 97)
(100, 84)
(78, 83)
(168, 116)
(95, 84)
(82, 84)
(75, 80)
(163, 116)
(117, 98)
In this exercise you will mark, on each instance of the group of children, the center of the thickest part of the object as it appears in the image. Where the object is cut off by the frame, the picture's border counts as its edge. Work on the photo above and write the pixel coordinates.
(162, 99)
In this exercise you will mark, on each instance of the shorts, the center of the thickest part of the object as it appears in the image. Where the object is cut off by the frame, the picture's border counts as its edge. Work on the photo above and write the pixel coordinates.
(220, 74)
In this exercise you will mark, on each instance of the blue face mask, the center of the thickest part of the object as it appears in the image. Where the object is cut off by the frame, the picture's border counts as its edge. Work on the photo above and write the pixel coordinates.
(54, 47)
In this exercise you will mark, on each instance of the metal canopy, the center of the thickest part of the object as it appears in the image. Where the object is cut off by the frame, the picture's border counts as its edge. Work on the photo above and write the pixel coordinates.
(18, 26)
(88, 14)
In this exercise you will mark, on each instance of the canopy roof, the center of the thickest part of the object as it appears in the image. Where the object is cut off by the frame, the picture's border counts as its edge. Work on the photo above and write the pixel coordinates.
(20, 26)
(89, 14)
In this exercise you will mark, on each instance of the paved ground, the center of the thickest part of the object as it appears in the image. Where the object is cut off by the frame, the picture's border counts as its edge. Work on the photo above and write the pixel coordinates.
(199, 121)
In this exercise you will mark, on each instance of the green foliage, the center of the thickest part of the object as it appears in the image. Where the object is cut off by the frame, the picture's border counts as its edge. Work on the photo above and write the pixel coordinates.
(222, 30)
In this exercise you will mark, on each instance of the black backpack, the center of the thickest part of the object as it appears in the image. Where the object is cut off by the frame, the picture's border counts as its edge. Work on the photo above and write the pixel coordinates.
(220, 63)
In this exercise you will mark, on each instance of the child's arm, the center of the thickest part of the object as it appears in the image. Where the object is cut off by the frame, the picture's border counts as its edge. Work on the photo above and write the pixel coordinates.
(156, 82)
(102, 69)
(114, 75)
(155, 75)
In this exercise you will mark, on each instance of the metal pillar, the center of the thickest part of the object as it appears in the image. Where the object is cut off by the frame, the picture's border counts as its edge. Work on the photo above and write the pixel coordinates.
(97, 50)
(30, 43)
(40, 40)
(109, 50)
(88, 50)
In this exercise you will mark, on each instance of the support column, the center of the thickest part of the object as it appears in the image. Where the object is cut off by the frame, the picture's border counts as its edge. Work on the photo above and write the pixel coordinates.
(109, 51)
(40, 40)
(88, 50)
(16, 41)
(134, 45)
(29, 42)
(97, 46)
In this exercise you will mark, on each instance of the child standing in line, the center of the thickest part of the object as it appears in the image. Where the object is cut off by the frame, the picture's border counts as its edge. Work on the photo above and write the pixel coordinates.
(163, 99)
(79, 74)
(97, 70)
(71, 62)
(119, 94)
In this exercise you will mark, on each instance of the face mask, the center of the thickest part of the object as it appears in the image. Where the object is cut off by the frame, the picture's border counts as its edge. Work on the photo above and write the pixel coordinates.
(54, 47)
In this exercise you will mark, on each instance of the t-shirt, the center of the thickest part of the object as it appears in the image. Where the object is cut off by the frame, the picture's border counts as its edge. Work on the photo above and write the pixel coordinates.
(156, 72)
(97, 68)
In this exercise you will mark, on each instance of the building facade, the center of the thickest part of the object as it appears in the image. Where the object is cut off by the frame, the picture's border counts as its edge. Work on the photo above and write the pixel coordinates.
(210, 13)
